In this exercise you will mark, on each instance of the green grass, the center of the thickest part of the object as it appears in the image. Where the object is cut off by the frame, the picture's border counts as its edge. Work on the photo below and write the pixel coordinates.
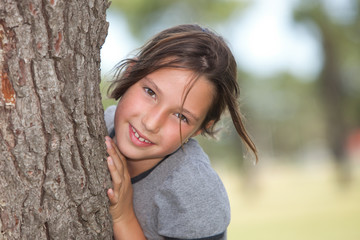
(292, 203)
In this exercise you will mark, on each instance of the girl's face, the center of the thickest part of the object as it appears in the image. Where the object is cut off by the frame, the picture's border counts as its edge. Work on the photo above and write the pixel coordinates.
(148, 114)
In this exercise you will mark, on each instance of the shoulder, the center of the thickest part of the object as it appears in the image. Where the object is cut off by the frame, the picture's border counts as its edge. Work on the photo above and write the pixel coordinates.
(192, 199)
(109, 115)
(193, 173)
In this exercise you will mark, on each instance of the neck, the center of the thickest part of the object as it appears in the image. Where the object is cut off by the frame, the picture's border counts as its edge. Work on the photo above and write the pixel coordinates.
(136, 167)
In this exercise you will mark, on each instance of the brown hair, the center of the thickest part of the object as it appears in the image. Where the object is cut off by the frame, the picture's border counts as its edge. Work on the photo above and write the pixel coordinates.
(199, 50)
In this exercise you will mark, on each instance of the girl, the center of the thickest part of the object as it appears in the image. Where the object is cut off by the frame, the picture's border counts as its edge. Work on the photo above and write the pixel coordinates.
(177, 87)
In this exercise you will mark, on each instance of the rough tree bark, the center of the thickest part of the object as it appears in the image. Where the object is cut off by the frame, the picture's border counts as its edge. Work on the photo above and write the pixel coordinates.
(53, 173)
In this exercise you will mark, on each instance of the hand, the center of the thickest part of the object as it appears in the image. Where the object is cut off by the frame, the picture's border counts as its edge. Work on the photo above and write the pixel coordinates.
(121, 205)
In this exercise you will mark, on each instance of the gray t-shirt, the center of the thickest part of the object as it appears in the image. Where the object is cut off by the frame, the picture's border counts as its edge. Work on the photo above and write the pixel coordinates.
(182, 197)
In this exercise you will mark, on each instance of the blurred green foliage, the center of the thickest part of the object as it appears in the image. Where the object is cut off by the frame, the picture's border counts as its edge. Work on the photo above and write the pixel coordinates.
(143, 16)
(285, 112)
(106, 101)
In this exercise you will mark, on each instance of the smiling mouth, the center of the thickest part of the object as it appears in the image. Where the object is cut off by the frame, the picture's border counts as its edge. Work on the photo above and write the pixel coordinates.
(141, 139)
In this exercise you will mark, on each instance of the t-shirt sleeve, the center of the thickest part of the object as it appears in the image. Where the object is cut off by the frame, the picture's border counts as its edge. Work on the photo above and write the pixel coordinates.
(109, 115)
(193, 204)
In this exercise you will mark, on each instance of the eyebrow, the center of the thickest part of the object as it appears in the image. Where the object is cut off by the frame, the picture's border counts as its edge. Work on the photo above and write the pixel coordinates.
(184, 110)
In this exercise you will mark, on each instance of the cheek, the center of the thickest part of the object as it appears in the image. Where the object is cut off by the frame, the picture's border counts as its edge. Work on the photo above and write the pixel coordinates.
(125, 106)
(173, 131)
(122, 112)
(170, 131)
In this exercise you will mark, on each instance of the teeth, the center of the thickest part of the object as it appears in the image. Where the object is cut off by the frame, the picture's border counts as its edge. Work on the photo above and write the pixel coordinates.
(138, 136)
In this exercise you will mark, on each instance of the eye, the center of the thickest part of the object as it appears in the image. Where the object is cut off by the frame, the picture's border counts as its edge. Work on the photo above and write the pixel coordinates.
(181, 117)
(150, 92)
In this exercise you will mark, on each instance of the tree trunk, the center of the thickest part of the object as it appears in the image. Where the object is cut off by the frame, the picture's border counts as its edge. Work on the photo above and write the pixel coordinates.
(333, 99)
(53, 173)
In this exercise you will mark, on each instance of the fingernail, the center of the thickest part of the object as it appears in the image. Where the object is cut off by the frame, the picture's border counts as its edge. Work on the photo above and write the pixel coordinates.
(110, 161)
(108, 144)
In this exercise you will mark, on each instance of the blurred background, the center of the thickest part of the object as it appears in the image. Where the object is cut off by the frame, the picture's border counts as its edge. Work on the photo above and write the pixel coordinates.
(299, 73)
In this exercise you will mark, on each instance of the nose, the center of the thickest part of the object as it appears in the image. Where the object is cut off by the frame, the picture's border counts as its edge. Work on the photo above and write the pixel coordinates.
(153, 119)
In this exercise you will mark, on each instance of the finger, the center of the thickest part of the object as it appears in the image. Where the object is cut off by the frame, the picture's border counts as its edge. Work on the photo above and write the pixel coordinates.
(111, 149)
(120, 155)
(111, 196)
(115, 176)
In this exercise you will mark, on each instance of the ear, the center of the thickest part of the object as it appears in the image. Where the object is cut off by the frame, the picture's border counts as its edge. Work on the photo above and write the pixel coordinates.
(208, 125)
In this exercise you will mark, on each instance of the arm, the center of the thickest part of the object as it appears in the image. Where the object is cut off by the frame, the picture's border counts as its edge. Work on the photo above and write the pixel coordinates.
(128, 229)
(125, 223)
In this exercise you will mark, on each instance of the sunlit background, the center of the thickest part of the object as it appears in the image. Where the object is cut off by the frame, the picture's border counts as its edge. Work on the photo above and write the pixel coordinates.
(299, 72)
